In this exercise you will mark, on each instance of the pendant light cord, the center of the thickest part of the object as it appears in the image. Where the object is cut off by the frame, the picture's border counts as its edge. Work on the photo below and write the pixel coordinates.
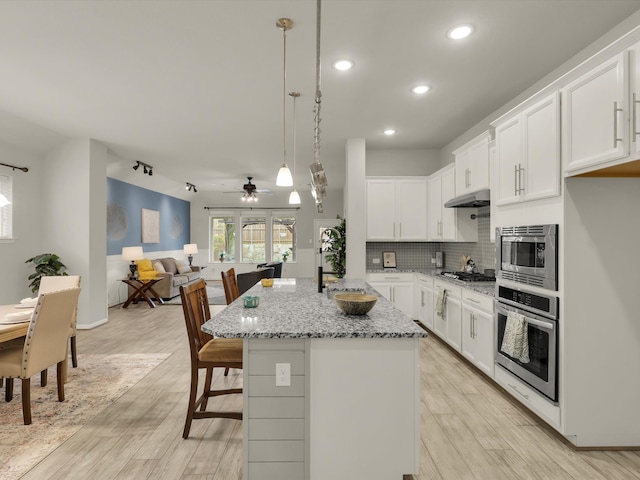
(316, 143)
(284, 98)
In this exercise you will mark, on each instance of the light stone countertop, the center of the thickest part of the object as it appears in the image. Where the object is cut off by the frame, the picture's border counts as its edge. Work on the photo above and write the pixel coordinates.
(485, 288)
(293, 308)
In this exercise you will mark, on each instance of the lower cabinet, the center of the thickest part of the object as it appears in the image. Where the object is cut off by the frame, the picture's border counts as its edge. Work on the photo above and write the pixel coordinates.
(397, 288)
(449, 325)
(477, 330)
(424, 304)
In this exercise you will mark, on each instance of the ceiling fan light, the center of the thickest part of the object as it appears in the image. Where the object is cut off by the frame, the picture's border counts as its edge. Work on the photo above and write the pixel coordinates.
(284, 178)
(294, 198)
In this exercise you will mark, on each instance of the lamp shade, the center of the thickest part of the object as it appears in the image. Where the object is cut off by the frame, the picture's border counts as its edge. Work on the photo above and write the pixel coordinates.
(191, 248)
(4, 200)
(294, 198)
(284, 178)
(132, 253)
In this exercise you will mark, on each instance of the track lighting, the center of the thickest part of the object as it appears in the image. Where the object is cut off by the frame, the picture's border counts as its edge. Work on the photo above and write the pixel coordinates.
(146, 168)
(191, 186)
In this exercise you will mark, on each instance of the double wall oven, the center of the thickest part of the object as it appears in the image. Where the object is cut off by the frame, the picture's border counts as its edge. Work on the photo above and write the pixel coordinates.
(527, 255)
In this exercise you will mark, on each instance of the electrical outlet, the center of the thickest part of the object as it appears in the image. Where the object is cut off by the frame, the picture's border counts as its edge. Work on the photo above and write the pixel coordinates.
(433, 260)
(376, 260)
(283, 374)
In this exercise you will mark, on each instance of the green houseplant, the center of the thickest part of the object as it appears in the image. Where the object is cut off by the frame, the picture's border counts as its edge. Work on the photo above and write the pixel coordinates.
(336, 248)
(46, 264)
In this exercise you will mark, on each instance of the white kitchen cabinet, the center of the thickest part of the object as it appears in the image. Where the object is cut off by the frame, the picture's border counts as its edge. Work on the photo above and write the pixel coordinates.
(472, 165)
(595, 113)
(397, 209)
(449, 326)
(397, 288)
(448, 224)
(424, 304)
(528, 153)
(477, 330)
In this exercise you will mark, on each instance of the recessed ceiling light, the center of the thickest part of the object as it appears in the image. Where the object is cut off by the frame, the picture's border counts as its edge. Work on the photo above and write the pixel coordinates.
(343, 64)
(389, 131)
(460, 31)
(420, 89)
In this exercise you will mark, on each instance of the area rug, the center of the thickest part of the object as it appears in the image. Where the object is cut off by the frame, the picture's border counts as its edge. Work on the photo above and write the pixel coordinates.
(215, 294)
(98, 381)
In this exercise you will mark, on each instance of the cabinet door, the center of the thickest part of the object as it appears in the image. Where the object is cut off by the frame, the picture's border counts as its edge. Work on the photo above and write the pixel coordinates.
(484, 336)
(411, 209)
(541, 174)
(634, 87)
(402, 294)
(425, 306)
(462, 171)
(434, 208)
(478, 174)
(448, 227)
(381, 209)
(594, 117)
(439, 323)
(469, 343)
(508, 160)
(454, 322)
(383, 289)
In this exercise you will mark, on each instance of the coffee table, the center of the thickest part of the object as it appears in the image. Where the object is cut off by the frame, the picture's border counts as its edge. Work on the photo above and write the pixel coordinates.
(141, 291)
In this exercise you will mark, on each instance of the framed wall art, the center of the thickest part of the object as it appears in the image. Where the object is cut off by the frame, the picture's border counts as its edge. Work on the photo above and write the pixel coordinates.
(389, 260)
(150, 226)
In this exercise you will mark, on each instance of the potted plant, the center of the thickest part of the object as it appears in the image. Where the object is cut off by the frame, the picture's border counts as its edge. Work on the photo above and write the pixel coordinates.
(285, 256)
(46, 264)
(221, 256)
(336, 241)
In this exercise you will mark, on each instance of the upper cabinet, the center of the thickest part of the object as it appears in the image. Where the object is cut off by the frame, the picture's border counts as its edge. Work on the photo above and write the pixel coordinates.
(527, 153)
(472, 165)
(595, 109)
(397, 209)
(448, 224)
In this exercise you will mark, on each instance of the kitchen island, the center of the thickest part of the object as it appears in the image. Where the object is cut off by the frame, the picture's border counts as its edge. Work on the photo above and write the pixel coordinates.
(326, 395)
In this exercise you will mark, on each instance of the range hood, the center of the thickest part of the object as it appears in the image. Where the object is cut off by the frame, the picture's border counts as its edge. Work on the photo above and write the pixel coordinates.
(470, 200)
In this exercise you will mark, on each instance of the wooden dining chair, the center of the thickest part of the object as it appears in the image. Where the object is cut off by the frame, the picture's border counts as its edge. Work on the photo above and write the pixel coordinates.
(45, 345)
(230, 284)
(206, 352)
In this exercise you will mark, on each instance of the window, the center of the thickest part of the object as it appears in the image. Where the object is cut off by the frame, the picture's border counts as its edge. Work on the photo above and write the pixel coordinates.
(6, 211)
(264, 237)
(283, 235)
(223, 238)
(254, 242)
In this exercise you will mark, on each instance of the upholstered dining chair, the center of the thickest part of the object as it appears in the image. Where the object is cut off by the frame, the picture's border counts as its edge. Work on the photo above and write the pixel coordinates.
(247, 280)
(206, 352)
(229, 282)
(45, 345)
(50, 284)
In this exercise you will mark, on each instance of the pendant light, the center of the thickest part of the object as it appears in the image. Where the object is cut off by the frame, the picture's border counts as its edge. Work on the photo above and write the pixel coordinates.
(284, 178)
(318, 176)
(294, 197)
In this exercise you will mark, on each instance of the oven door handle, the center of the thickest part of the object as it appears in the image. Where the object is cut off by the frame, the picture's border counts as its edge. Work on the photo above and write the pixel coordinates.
(538, 323)
(544, 324)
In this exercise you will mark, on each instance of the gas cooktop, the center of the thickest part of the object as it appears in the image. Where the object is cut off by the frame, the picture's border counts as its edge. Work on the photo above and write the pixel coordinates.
(468, 277)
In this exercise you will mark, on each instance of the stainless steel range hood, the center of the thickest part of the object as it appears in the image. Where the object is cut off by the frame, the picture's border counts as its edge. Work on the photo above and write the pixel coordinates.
(470, 200)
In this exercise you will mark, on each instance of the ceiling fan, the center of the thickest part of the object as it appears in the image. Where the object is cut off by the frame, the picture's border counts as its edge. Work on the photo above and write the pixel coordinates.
(249, 191)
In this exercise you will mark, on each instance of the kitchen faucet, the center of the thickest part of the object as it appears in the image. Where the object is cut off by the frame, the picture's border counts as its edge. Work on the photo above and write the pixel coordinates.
(320, 273)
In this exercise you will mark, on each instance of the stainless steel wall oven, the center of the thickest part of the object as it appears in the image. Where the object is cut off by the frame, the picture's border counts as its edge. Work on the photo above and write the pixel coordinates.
(540, 312)
(528, 255)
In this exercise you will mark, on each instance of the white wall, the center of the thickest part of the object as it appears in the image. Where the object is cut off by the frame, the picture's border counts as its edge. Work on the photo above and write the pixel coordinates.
(355, 195)
(27, 224)
(399, 162)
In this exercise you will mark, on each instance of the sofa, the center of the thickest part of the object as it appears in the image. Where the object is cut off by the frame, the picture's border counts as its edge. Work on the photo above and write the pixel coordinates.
(173, 273)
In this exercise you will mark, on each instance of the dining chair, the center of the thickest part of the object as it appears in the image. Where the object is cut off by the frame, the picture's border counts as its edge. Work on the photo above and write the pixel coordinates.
(51, 283)
(230, 285)
(45, 345)
(247, 280)
(206, 352)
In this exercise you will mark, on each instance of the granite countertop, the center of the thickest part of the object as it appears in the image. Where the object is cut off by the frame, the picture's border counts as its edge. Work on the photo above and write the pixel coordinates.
(485, 288)
(293, 308)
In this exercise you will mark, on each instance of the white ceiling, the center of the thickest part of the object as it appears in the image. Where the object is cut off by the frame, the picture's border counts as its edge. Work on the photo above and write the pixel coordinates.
(194, 88)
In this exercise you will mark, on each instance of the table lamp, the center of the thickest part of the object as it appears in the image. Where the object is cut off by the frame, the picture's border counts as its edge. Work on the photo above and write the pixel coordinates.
(133, 254)
(190, 249)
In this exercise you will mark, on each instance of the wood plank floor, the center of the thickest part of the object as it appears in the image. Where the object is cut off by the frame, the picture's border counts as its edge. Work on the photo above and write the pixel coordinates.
(470, 429)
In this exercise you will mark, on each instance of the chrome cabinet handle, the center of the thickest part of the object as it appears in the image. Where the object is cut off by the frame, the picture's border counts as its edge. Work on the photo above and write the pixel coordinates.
(515, 179)
(422, 298)
(400, 228)
(635, 120)
(394, 229)
(520, 182)
(615, 124)
(469, 178)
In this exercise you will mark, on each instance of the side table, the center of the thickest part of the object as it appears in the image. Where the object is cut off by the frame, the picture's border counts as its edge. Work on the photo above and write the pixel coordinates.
(141, 287)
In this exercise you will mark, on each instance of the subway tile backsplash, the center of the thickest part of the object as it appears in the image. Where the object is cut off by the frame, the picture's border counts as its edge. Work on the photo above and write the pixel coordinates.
(418, 254)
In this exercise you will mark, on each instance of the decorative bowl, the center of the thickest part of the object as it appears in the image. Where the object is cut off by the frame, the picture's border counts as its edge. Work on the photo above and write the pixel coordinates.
(267, 282)
(250, 301)
(355, 303)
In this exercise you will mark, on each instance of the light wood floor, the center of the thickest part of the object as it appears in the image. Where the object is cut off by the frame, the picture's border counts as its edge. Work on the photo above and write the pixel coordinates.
(470, 429)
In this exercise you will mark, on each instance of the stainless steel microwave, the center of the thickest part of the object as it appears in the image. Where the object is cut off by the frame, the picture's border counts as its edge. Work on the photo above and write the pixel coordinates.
(528, 255)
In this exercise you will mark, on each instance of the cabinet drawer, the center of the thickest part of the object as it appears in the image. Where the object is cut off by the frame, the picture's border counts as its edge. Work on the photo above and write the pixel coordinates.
(425, 280)
(452, 290)
(478, 300)
(391, 277)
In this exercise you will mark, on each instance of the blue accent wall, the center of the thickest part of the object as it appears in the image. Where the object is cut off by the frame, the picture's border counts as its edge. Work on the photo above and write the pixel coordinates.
(124, 218)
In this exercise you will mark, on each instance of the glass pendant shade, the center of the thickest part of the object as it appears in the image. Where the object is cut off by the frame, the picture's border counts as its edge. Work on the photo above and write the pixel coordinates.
(284, 178)
(294, 198)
